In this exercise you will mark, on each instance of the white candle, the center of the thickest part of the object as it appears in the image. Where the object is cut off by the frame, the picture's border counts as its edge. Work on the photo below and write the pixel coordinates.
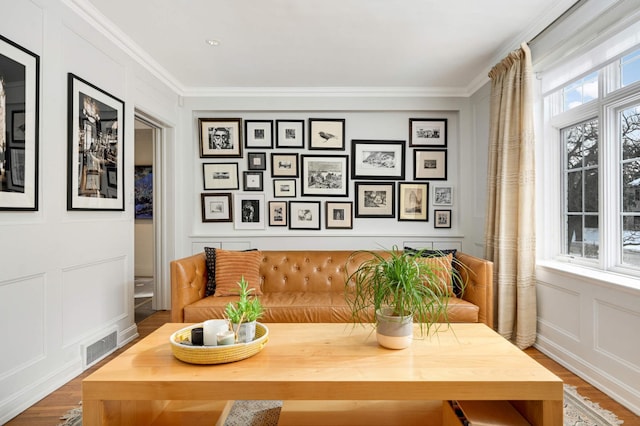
(211, 328)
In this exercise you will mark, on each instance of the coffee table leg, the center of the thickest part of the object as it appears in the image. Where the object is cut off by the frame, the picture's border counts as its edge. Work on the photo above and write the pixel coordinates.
(92, 412)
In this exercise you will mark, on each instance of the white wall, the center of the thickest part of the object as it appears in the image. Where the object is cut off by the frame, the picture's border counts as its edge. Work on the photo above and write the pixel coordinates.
(378, 118)
(66, 277)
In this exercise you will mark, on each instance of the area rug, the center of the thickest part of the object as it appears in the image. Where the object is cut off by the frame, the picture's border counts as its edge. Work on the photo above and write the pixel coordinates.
(578, 411)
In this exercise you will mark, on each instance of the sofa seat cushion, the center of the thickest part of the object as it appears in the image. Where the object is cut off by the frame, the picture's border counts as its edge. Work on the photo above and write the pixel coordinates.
(279, 307)
(308, 307)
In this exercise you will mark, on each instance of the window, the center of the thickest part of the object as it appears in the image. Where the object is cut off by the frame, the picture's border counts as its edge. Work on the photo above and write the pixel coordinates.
(598, 134)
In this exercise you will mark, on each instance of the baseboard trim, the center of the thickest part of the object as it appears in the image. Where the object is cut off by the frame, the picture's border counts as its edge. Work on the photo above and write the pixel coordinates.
(616, 390)
(29, 395)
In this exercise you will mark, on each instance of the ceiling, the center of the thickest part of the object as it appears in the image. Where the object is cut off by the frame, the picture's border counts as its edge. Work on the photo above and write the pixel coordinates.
(434, 46)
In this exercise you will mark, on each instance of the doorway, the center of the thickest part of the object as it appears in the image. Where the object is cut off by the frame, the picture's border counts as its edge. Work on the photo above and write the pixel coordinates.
(145, 260)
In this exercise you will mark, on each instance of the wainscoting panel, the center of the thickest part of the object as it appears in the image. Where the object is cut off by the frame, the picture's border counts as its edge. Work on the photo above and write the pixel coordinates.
(554, 302)
(22, 303)
(620, 343)
(93, 296)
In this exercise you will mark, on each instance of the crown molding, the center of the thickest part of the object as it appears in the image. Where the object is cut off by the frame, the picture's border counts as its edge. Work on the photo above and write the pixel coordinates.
(403, 92)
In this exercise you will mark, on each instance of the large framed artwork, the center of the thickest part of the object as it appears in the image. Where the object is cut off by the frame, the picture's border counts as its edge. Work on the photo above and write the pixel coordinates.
(428, 132)
(143, 192)
(326, 133)
(430, 164)
(325, 175)
(375, 199)
(220, 137)
(377, 159)
(413, 201)
(19, 126)
(249, 211)
(216, 207)
(96, 148)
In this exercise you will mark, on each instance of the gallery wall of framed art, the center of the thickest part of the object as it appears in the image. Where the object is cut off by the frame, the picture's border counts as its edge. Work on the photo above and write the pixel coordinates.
(315, 172)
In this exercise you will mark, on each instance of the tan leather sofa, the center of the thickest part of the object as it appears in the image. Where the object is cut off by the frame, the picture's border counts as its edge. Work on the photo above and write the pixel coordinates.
(309, 286)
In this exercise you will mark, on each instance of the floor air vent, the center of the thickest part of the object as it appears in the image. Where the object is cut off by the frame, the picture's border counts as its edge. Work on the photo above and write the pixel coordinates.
(99, 349)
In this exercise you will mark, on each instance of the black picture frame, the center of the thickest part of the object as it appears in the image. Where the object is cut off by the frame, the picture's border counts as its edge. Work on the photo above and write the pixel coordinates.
(442, 219)
(324, 175)
(252, 181)
(430, 164)
(19, 122)
(327, 133)
(413, 201)
(375, 199)
(284, 164)
(304, 215)
(278, 213)
(220, 137)
(216, 207)
(289, 134)
(257, 161)
(338, 214)
(284, 188)
(428, 132)
(258, 133)
(95, 149)
(377, 159)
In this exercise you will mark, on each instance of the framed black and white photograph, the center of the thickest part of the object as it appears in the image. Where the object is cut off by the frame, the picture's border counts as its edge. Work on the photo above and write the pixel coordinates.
(19, 126)
(304, 215)
(220, 176)
(413, 201)
(442, 218)
(258, 133)
(278, 213)
(284, 188)
(284, 165)
(442, 195)
(216, 207)
(96, 148)
(428, 132)
(338, 214)
(248, 211)
(430, 164)
(289, 133)
(326, 133)
(252, 181)
(142, 191)
(325, 175)
(372, 159)
(220, 137)
(375, 199)
(257, 161)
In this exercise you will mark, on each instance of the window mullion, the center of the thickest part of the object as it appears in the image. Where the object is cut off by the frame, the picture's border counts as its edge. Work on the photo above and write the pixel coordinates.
(610, 201)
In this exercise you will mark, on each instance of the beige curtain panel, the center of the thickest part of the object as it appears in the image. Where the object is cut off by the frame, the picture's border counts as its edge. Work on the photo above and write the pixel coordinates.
(510, 226)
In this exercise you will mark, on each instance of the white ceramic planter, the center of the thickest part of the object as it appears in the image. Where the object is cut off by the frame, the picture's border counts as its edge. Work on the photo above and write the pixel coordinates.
(393, 332)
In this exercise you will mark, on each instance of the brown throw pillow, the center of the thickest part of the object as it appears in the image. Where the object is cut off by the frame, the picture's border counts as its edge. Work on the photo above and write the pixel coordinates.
(231, 266)
(442, 270)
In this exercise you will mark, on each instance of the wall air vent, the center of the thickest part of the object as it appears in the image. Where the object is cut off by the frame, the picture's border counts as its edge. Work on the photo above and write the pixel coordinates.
(94, 352)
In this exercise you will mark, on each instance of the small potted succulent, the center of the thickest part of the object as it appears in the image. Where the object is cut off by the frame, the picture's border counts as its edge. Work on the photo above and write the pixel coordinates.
(244, 313)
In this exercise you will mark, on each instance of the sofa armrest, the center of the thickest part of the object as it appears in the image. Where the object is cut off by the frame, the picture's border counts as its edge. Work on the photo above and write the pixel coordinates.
(188, 283)
(478, 277)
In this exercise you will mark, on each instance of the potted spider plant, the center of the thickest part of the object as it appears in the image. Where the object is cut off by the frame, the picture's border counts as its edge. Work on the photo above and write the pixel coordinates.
(244, 313)
(396, 288)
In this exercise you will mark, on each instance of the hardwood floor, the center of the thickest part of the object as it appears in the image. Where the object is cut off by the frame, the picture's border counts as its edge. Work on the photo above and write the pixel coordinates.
(47, 412)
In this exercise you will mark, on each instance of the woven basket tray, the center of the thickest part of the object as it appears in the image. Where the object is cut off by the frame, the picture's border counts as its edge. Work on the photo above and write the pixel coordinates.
(216, 354)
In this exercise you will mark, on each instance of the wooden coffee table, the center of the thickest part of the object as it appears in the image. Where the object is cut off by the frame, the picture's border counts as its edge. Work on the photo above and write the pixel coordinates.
(333, 362)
